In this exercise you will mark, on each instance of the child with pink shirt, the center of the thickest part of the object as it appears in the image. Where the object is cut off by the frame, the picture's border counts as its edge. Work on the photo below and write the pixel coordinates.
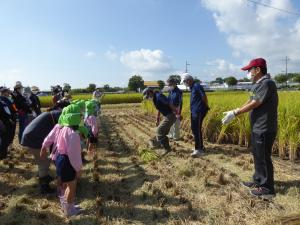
(91, 122)
(67, 155)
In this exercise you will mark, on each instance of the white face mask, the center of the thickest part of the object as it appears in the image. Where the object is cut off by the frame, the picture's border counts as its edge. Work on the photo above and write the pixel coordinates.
(249, 76)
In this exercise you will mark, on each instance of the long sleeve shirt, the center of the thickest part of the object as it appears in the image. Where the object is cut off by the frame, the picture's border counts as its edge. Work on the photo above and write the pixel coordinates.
(91, 121)
(67, 142)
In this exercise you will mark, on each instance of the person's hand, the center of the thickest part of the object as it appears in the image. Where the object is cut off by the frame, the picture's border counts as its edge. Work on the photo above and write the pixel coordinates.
(229, 116)
(43, 153)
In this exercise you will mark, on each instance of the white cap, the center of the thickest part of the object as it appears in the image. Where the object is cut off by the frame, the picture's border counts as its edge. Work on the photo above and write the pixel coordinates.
(185, 77)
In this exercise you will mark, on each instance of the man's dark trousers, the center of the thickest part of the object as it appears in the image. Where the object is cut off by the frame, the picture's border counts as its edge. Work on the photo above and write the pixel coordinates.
(196, 125)
(262, 149)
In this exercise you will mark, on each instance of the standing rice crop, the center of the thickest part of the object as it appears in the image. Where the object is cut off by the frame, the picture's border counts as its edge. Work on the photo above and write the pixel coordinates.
(287, 144)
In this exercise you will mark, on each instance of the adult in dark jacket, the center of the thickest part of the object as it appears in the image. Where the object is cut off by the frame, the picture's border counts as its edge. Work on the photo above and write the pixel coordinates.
(5, 98)
(262, 107)
(22, 107)
(35, 101)
(175, 98)
(168, 111)
(8, 125)
(199, 108)
(3, 140)
(32, 140)
(57, 94)
(5, 118)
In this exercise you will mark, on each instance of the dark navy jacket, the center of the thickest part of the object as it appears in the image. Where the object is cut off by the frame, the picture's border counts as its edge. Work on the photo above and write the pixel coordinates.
(35, 133)
(161, 103)
(175, 97)
(197, 105)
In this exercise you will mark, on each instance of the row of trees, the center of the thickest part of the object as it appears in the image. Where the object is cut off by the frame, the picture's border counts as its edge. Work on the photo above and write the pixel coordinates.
(91, 88)
(279, 78)
(283, 78)
(136, 83)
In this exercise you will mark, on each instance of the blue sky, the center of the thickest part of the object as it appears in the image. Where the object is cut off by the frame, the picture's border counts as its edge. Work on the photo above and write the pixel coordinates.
(47, 42)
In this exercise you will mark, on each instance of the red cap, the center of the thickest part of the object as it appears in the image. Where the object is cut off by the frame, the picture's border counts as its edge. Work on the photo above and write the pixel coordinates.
(259, 62)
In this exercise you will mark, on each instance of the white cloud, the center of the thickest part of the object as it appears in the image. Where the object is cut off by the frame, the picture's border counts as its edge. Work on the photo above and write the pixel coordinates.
(90, 54)
(257, 31)
(146, 60)
(111, 54)
(221, 68)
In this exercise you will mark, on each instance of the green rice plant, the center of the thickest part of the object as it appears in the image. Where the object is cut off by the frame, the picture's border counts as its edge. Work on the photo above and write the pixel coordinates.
(148, 107)
(239, 131)
(46, 101)
(148, 155)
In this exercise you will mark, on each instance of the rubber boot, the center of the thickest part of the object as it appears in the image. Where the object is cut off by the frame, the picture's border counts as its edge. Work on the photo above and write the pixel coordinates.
(166, 146)
(44, 186)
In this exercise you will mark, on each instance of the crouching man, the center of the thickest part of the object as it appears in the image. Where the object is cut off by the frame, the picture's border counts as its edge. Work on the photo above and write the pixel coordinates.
(163, 106)
(32, 140)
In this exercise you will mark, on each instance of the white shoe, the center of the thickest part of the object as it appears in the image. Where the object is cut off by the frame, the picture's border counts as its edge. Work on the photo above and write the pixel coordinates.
(69, 209)
(197, 153)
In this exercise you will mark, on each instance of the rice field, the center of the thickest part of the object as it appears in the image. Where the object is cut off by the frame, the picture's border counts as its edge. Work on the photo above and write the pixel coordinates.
(287, 145)
(125, 182)
(46, 101)
(238, 132)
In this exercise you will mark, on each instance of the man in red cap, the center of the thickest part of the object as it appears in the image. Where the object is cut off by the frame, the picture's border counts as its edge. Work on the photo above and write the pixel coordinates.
(262, 106)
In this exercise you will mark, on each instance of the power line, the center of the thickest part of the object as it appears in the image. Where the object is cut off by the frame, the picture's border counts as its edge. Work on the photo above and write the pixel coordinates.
(272, 7)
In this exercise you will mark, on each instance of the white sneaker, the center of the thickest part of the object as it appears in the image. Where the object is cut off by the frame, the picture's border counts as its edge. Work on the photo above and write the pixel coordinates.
(69, 209)
(197, 153)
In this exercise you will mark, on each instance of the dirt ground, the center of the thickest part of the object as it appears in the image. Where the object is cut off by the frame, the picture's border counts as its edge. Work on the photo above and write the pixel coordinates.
(118, 187)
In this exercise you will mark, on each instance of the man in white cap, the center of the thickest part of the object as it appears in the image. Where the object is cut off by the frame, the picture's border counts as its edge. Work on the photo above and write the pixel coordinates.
(199, 108)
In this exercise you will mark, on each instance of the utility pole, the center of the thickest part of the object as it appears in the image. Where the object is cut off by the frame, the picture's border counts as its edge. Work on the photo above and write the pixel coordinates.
(286, 68)
(186, 66)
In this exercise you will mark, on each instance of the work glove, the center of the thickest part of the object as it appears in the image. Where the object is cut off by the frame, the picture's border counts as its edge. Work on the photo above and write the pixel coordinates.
(229, 116)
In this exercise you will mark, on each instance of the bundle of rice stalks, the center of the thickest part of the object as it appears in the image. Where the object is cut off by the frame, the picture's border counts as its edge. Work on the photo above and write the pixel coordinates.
(148, 155)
